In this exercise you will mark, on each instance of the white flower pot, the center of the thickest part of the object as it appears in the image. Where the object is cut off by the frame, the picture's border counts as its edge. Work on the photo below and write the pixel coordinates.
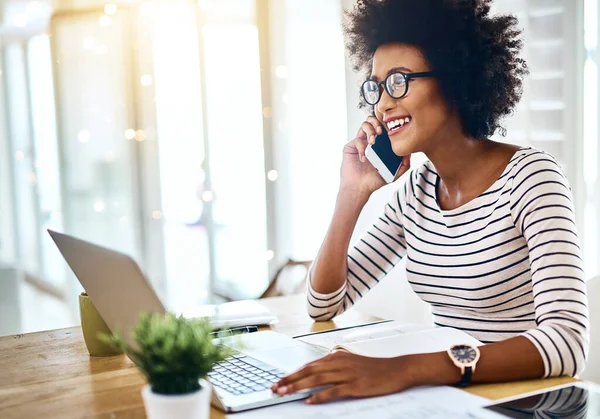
(186, 406)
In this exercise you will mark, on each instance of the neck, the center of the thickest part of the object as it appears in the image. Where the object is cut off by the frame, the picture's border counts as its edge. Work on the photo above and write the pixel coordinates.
(457, 158)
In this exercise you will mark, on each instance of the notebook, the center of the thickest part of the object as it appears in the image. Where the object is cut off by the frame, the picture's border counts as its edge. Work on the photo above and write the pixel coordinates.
(390, 339)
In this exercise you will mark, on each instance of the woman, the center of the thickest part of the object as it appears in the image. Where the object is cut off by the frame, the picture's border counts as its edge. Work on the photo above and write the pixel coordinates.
(487, 228)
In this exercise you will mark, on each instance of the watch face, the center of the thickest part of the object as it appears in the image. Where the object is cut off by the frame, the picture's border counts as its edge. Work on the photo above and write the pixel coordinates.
(464, 354)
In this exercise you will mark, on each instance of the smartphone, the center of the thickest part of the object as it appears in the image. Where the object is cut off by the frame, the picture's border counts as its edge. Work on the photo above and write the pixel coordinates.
(382, 157)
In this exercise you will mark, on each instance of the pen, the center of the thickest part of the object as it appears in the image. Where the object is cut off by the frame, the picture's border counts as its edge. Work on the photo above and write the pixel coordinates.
(234, 331)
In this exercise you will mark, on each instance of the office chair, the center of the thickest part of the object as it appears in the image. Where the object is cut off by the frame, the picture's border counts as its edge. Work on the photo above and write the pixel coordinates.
(284, 282)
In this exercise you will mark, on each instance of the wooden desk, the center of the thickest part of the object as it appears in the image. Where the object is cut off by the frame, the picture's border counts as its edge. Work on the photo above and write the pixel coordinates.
(50, 374)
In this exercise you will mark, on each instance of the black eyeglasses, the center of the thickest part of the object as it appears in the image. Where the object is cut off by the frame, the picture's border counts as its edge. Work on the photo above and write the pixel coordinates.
(395, 84)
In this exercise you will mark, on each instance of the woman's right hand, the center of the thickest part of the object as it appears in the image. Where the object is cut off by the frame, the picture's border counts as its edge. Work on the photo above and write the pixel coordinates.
(357, 173)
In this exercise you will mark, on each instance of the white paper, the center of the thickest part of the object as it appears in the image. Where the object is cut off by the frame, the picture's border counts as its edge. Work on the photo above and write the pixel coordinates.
(341, 337)
(421, 341)
(233, 314)
(420, 403)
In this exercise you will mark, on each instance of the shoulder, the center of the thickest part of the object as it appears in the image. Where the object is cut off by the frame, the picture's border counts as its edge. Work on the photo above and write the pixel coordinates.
(418, 184)
(537, 182)
(417, 188)
(422, 181)
(530, 164)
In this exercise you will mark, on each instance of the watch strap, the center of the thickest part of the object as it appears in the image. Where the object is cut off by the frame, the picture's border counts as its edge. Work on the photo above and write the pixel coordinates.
(466, 377)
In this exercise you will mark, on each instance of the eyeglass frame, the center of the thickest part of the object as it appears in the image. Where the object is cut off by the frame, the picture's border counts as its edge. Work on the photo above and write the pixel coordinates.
(407, 77)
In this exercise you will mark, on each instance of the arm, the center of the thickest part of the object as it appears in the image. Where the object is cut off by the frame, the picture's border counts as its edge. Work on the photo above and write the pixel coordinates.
(350, 375)
(542, 210)
(326, 295)
(337, 279)
(509, 360)
(329, 270)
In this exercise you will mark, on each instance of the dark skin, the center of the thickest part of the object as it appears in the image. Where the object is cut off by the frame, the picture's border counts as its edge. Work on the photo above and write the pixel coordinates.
(467, 167)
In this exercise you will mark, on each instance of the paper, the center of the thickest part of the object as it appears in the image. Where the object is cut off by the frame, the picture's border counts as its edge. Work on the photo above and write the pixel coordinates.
(330, 339)
(421, 341)
(420, 403)
(233, 314)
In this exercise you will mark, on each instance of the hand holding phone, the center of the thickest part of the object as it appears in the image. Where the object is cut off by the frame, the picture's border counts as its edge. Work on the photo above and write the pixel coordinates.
(364, 166)
(382, 157)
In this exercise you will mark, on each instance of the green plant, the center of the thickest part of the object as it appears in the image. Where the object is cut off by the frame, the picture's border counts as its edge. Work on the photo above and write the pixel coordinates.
(172, 352)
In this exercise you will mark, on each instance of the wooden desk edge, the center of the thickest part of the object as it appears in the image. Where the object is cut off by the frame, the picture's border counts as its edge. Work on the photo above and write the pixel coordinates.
(497, 391)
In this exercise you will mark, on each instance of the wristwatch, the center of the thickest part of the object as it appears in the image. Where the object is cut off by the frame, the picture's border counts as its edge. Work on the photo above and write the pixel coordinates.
(464, 357)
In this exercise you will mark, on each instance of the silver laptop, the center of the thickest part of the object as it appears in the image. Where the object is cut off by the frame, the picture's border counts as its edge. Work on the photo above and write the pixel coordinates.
(120, 292)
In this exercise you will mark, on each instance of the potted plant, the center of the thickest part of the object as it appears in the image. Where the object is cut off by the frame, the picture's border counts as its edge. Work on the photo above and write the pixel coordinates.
(175, 354)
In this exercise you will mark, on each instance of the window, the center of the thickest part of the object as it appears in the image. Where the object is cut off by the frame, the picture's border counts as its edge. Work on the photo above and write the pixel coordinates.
(558, 111)
(175, 75)
(92, 67)
(234, 118)
(24, 155)
(310, 129)
(8, 251)
(46, 167)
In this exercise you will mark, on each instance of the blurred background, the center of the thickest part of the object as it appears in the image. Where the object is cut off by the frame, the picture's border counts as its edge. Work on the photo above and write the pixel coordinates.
(204, 138)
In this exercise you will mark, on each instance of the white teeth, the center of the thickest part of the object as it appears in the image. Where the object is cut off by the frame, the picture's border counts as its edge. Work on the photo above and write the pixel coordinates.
(398, 122)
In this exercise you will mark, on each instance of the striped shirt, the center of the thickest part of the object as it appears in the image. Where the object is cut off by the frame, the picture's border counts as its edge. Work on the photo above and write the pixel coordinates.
(507, 263)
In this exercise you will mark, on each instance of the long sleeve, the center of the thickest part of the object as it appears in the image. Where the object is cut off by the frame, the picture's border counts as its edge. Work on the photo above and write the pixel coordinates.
(371, 258)
(542, 211)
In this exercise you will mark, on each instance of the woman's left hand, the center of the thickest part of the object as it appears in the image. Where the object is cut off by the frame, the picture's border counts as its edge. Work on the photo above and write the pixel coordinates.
(348, 375)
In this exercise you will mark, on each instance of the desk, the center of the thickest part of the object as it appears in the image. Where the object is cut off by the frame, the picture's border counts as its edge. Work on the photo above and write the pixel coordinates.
(50, 374)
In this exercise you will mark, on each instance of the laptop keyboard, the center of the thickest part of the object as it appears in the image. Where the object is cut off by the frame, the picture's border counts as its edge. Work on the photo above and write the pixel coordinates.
(241, 374)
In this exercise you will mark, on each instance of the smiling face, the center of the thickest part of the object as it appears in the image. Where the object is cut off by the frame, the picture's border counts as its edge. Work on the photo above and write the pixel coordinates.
(422, 118)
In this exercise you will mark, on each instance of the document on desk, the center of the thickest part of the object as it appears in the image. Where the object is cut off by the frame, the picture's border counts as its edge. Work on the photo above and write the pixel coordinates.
(391, 339)
(332, 338)
(419, 403)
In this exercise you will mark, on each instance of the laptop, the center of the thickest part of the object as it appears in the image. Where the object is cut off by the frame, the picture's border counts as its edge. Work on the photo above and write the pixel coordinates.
(120, 292)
